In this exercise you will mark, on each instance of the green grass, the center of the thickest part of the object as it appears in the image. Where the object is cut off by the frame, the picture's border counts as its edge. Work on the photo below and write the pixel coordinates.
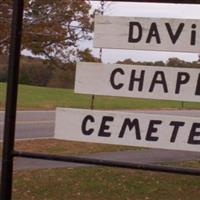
(52, 146)
(2, 94)
(48, 98)
(103, 184)
(187, 164)
(97, 182)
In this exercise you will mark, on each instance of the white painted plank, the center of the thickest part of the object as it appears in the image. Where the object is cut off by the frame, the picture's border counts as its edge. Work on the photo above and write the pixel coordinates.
(131, 129)
(113, 32)
(167, 83)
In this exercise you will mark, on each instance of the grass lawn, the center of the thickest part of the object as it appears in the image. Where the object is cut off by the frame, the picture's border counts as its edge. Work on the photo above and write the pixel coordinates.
(99, 183)
(52, 146)
(103, 184)
(48, 98)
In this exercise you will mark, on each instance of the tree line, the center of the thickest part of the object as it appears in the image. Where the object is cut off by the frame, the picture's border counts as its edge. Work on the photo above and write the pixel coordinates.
(171, 62)
(41, 72)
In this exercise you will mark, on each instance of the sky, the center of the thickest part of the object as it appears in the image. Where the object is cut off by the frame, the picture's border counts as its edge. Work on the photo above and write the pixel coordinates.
(147, 10)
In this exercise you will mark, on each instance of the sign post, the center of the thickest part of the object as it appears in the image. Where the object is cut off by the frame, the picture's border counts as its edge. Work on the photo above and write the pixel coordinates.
(11, 100)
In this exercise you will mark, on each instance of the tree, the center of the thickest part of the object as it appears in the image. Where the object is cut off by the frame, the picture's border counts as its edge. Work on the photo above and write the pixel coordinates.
(128, 61)
(51, 28)
(5, 20)
(175, 62)
(3, 68)
(159, 63)
(86, 56)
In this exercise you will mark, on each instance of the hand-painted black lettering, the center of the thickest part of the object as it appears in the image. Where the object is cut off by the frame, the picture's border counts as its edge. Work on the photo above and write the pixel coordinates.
(152, 129)
(135, 36)
(133, 79)
(174, 36)
(86, 131)
(103, 131)
(153, 32)
(197, 92)
(112, 79)
(176, 125)
(130, 125)
(157, 80)
(182, 78)
(193, 35)
(194, 134)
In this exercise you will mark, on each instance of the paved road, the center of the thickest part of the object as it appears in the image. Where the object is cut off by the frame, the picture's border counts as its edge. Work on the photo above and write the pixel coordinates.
(150, 156)
(32, 124)
(40, 124)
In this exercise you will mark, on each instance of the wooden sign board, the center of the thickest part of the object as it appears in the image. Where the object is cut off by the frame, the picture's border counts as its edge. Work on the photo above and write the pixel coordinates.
(138, 81)
(152, 34)
(132, 129)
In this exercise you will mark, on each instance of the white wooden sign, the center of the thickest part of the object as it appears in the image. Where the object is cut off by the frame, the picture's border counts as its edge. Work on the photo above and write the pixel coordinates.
(155, 34)
(138, 81)
(132, 129)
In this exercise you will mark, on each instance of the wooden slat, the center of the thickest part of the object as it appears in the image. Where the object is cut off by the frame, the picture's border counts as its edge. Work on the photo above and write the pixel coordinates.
(182, 84)
(131, 129)
(157, 1)
(152, 34)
